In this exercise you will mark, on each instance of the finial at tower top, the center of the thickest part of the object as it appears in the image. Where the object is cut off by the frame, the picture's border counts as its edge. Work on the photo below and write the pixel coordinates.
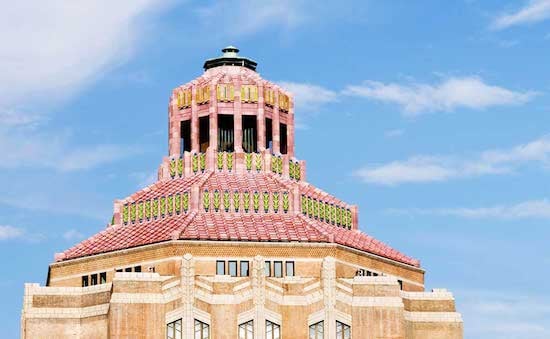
(230, 57)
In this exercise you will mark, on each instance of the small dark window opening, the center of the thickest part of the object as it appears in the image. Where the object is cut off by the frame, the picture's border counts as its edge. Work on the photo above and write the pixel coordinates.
(185, 136)
(93, 280)
(226, 133)
(119, 270)
(220, 267)
(128, 269)
(137, 269)
(233, 268)
(290, 268)
(400, 284)
(85, 281)
(278, 269)
(102, 277)
(250, 134)
(204, 133)
(268, 134)
(284, 146)
(268, 269)
(244, 269)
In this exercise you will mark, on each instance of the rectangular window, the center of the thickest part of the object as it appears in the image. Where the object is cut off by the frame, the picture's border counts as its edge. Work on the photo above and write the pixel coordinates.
(226, 133)
(278, 269)
(220, 267)
(272, 330)
(268, 269)
(343, 331)
(244, 269)
(268, 135)
(290, 268)
(185, 136)
(85, 281)
(246, 330)
(103, 277)
(93, 279)
(204, 133)
(202, 330)
(233, 268)
(283, 138)
(316, 331)
(119, 269)
(400, 284)
(173, 330)
(128, 269)
(137, 269)
(250, 134)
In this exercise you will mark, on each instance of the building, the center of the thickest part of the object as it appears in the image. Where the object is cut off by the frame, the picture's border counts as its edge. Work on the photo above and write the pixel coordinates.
(232, 242)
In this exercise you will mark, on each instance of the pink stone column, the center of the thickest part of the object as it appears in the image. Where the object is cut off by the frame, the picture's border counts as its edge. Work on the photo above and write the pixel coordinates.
(213, 119)
(275, 126)
(290, 128)
(355, 217)
(195, 147)
(174, 137)
(261, 119)
(237, 117)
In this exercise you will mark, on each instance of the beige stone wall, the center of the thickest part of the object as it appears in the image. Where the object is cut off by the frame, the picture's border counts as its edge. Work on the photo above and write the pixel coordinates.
(139, 305)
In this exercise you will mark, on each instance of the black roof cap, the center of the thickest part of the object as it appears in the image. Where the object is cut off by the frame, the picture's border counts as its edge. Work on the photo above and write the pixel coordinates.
(230, 57)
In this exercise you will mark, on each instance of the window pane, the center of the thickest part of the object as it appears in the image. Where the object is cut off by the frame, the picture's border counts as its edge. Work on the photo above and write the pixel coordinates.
(290, 268)
(93, 280)
(316, 330)
(343, 331)
(244, 269)
(220, 267)
(137, 269)
(128, 269)
(278, 269)
(268, 268)
(85, 281)
(246, 330)
(233, 268)
(102, 277)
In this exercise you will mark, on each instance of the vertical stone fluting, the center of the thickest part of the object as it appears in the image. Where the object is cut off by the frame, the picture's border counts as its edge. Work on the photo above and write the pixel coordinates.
(213, 119)
(275, 126)
(195, 147)
(237, 116)
(258, 285)
(328, 276)
(261, 118)
(290, 129)
(188, 295)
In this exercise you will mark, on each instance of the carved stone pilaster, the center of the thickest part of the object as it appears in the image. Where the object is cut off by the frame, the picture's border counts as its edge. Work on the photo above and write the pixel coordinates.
(258, 284)
(188, 295)
(328, 276)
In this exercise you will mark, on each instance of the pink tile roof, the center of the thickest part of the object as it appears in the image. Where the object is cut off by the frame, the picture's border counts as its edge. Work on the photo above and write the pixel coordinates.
(230, 226)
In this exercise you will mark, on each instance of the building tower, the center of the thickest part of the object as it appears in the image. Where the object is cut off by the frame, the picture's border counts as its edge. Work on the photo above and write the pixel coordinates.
(233, 242)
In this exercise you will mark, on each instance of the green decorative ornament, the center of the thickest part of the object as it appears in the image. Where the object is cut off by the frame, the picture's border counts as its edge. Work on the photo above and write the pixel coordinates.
(162, 206)
(170, 204)
(266, 201)
(248, 161)
(258, 162)
(177, 203)
(180, 167)
(125, 214)
(226, 201)
(206, 200)
(202, 158)
(133, 212)
(185, 201)
(322, 210)
(256, 201)
(216, 200)
(291, 169)
(155, 208)
(195, 163)
(276, 202)
(140, 211)
(229, 159)
(219, 161)
(236, 201)
(148, 209)
(297, 171)
(246, 201)
(172, 168)
(303, 202)
(286, 203)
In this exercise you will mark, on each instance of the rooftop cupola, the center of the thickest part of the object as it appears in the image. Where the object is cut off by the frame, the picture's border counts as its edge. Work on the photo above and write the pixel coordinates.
(230, 57)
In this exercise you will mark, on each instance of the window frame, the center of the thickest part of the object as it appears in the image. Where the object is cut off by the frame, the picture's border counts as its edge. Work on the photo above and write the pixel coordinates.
(343, 327)
(273, 326)
(218, 262)
(229, 271)
(267, 268)
(103, 277)
(85, 281)
(204, 327)
(93, 279)
(275, 264)
(171, 326)
(243, 262)
(320, 325)
(287, 263)
(246, 326)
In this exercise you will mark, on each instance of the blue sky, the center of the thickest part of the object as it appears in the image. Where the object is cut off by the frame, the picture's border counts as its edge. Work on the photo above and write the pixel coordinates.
(434, 116)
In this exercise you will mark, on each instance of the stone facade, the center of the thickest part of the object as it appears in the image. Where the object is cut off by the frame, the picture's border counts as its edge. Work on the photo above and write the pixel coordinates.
(229, 238)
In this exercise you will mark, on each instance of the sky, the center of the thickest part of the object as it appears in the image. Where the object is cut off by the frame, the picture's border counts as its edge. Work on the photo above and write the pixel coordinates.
(433, 116)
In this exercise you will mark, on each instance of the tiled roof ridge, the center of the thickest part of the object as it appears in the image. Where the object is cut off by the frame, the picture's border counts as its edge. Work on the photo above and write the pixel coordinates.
(190, 217)
(290, 185)
(329, 236)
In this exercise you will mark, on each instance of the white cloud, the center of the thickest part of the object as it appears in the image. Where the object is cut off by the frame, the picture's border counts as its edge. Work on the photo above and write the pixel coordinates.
(10, 232)
(61, 46)
(455, 92)
(504, 314)
(394, 133)
(534, 11)
(533, 209)
(309, 97)
(440, 168)
(73, 235)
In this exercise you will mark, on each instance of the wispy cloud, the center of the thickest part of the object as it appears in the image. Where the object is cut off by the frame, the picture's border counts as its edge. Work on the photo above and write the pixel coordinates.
(452, 93)
(499, 314)
(10, 232)
(533, 209)
(73, 235)
(440, 168)
(534, 11)
(309, 97)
